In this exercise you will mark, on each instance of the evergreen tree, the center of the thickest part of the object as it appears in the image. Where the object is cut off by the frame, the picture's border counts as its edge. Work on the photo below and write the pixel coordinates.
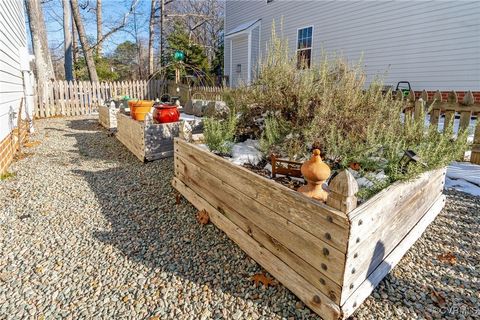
(196, 61)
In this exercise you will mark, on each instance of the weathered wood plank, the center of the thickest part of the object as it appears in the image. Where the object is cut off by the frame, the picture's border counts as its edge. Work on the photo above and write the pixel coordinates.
(314, 276)
(306, 292)
(377, 209)
(325, 223)
(363, 259)
(68, 97)
(131, 134)
(475, 156)
(220, 194)
(364, 290)
(464, 120)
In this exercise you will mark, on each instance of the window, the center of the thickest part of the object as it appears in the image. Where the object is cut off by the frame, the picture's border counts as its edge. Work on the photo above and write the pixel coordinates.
(304, 47)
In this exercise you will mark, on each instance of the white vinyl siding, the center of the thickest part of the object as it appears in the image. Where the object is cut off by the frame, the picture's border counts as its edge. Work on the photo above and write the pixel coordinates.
(239, 60)
(12, 38)
(434, 45)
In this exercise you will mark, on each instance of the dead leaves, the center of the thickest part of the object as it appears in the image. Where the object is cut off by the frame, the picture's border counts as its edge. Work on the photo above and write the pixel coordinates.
(31, 144)
(438, 298)
(263, 279)
(448, 257)
(202, 217)
(354, 166)
(178, 198)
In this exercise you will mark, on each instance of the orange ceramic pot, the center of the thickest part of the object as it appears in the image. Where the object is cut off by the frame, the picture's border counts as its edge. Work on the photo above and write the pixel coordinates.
(139, 108)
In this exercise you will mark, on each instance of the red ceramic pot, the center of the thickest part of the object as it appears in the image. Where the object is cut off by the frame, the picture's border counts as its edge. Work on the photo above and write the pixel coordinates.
(165, 113)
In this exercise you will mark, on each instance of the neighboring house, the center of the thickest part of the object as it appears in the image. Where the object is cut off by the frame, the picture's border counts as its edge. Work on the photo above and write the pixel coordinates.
(433, 45)
(15, 79)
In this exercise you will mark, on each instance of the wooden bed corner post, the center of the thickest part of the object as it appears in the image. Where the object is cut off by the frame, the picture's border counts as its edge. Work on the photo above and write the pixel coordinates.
(343, 188)
(273, 159)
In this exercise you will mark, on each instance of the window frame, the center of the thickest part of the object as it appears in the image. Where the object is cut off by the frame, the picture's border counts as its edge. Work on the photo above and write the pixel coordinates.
(297, 50)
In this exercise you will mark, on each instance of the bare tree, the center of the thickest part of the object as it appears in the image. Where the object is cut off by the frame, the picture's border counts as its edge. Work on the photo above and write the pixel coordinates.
(99, 27)
(43, 60)
(151, 38)
(87, 50)
(74, 42)
(67, 36)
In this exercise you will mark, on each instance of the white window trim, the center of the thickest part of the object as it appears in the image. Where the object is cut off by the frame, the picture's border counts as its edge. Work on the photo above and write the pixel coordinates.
(311, 47)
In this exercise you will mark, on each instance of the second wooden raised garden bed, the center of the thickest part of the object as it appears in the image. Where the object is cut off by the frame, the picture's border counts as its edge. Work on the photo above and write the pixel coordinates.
(150, 141)
(330, 256)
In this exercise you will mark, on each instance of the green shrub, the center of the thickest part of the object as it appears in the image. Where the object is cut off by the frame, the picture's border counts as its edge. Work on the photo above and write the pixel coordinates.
(329, 106)
(273, 132)
(219, 134)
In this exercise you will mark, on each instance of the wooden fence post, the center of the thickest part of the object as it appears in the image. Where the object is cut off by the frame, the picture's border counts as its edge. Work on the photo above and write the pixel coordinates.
(343, 188)
(436, 109)
(450, 109)
(475, 157)
(419, 109)
(465, 116)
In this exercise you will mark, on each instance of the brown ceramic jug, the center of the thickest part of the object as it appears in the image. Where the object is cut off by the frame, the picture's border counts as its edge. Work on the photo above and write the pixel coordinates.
(315, 172)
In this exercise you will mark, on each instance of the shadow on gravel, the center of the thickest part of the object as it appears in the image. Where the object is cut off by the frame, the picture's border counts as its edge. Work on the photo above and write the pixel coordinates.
(84, 124)
(96, 143)
(148, 227)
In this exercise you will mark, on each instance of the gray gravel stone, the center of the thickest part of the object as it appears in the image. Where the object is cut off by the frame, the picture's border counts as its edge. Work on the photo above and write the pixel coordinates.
(102, 238)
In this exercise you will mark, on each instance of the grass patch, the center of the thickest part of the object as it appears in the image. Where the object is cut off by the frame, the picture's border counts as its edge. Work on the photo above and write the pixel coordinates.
(7, 175)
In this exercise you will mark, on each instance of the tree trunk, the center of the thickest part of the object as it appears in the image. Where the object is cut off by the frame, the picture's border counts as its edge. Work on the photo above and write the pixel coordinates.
(43, 61)
(99, 28)
(151, 38)
(162, 26)
(74, 42)
(87, 51)
(67, 35)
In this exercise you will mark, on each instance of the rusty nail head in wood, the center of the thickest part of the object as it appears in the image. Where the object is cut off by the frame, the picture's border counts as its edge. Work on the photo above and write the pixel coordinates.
(322, 281)
(328, 236)
(324, 266)
(317, 299)
(325, 251)
(329, 219)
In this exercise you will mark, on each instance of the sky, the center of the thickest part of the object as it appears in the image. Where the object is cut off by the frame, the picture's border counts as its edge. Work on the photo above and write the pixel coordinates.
(113, 13)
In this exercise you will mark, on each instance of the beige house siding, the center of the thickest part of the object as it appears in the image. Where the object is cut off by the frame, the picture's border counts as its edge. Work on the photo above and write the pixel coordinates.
(434, 45)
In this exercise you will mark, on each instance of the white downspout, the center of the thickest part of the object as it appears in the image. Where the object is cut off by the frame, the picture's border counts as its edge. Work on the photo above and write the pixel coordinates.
(28, 81)
(231, 64)
(249, 60)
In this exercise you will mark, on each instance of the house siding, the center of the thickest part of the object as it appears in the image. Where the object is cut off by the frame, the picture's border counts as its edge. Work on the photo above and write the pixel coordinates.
(240, 56)
(13, 37)
(434, 45)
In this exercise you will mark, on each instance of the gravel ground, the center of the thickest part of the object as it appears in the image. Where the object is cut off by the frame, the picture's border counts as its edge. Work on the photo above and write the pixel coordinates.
(86, 231)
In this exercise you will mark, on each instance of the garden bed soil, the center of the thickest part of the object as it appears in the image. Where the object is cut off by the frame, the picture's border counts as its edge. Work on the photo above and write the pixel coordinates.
(331, 258)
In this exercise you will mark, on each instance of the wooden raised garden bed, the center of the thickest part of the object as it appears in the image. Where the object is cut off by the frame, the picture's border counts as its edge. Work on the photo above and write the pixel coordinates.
(107, 117)
(148, 141)
(330, 256)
